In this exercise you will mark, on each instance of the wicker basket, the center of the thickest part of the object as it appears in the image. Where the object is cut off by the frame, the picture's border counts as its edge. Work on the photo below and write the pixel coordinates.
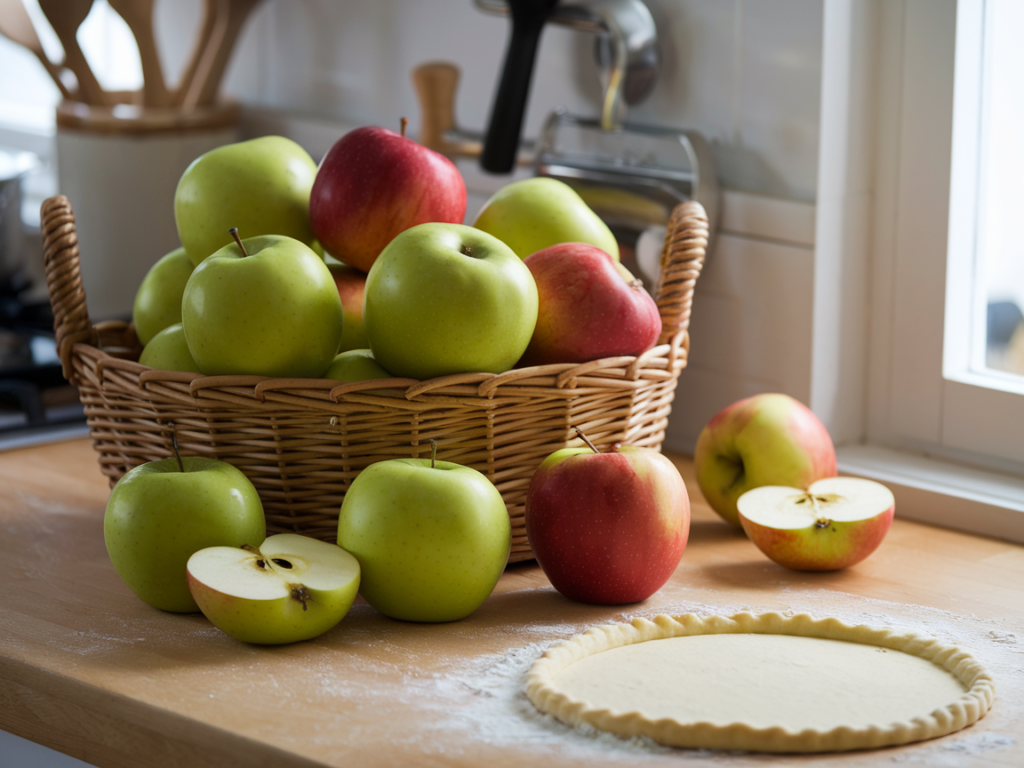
(303, 441)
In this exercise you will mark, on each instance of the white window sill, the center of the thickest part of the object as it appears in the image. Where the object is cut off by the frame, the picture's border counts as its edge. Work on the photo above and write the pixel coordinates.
(942, 493)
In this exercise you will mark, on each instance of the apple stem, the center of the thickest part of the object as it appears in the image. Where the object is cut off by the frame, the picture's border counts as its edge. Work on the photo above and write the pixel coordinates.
(586, 439)
(433, 452)
(404, 124)
(234, 233)
(177, 455)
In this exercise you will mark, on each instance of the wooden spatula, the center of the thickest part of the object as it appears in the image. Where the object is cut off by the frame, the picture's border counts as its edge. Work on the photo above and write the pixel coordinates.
(16, 25)
(200, 52)
(234, 14)
(66, 16)
(138, 15)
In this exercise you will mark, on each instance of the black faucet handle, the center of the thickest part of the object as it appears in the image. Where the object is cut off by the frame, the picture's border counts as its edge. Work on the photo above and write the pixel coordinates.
(501, 144)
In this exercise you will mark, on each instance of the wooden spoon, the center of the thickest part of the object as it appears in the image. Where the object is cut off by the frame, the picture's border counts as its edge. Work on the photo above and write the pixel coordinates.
(234, 14)
(16, 25)
(201, 49)
(138, 15)
(66, 16)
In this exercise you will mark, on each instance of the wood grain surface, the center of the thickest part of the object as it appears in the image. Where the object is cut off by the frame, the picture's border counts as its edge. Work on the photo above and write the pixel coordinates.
(87, 669)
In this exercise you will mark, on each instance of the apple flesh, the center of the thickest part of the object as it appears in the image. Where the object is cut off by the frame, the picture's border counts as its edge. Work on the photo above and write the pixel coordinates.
(607, 528)
(288, 589)
(432, 538)
(767, 439)
(273, 310)
(158, 516)
(536, 213)
(834, 524)
(374, 184)
(590, 307)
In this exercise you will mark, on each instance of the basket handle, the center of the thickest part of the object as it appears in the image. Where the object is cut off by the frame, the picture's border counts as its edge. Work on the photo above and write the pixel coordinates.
(64, 280)
(682, 257)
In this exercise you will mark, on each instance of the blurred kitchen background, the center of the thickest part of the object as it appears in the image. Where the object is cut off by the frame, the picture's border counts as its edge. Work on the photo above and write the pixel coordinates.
(748, 75)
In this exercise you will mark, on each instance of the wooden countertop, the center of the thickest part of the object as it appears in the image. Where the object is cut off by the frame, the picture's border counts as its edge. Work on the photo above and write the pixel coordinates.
(88, 669)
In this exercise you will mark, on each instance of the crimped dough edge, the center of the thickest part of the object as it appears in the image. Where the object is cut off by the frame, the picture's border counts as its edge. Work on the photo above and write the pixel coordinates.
(970, 708)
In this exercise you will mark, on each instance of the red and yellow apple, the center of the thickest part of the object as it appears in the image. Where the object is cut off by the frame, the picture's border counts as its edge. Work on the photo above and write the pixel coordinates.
(834, 524)
(767, 439)
(590, 307)
(607, 528)
(374, 184)
(351, 284)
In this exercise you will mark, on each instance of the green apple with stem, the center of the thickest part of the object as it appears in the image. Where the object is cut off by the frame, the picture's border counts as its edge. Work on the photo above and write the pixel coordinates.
(168, 351)
(536, 213)
(160, 513)
(261, 186)
(432, 537)
(447, 298)
(158, 300)
(290, 588)
(833, 524)
(265, 306)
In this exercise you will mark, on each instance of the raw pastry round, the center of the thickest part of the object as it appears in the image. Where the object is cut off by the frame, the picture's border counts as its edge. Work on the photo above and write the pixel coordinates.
(765, 683)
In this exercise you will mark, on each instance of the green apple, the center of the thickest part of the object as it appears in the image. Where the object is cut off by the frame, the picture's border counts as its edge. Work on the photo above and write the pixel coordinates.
(288, 589)
(260, 186)
(536, 213)
(432, 538)
(158, 300)
(168, 351)
(160, 513)
(767, 439)
(447, 298)
(266, 306)
(356, 365)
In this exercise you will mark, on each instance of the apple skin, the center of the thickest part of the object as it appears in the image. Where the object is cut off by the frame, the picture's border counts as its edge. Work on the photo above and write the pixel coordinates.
(767, 439)
(372, 185)
(445, 299)
(275, 619)
(275, 312)
(157, 517)
(431, 542)
(814, 547)
(590, 307)
(607, 528)
(356, 365)
(533, 214)
(168, 351)
(260, 186)
(158, 300)
(351, 285)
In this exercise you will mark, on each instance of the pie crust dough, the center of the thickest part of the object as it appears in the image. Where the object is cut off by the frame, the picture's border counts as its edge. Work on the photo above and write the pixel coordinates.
(766, 683)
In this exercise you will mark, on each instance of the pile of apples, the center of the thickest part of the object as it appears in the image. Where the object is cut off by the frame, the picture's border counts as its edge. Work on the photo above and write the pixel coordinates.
(361, 269)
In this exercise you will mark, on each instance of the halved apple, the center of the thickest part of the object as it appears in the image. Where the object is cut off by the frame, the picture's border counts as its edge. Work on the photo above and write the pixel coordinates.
(835, 523)
(291, 588)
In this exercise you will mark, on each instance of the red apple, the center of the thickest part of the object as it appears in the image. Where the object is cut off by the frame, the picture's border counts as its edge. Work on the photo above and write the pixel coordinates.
(351, 284)
(835, 523)
(590, 307)
(607, 528)
(372, 185)
(768, 439)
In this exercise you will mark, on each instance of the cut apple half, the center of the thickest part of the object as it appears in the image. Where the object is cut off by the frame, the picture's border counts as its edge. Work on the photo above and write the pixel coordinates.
(288, 589)
(835, 523)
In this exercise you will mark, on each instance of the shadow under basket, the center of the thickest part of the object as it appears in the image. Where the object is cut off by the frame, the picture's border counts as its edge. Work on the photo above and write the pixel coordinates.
(303, 441)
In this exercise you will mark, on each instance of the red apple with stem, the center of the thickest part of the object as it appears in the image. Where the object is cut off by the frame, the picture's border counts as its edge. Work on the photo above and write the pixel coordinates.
(374, 184)
(607, 528)
(590, 307)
